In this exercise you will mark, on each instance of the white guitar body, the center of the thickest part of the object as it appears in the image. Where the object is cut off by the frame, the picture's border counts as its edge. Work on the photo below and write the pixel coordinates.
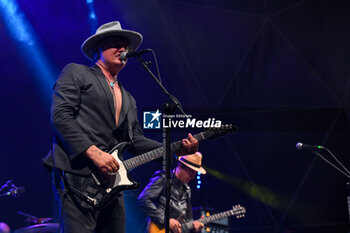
(119, 178)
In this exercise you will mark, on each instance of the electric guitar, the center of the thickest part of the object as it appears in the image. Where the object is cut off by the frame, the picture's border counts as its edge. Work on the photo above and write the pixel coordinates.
(97, 190)
(236, 210)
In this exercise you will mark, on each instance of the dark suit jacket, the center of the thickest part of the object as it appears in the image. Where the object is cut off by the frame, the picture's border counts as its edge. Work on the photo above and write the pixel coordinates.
(83, 114)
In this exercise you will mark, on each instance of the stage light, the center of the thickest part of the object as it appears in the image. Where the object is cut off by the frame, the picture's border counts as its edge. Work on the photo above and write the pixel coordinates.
(199, 182)
(92, 16)
(22, 32)
(15, 21)
(258, 192)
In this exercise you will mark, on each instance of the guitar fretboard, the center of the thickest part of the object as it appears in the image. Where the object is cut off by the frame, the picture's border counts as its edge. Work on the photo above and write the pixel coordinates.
(155, 154)
(235, 211)
(215, 217)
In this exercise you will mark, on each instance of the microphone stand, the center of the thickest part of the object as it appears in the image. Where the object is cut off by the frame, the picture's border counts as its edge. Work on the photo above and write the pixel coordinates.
(342, 169)
(168, 108)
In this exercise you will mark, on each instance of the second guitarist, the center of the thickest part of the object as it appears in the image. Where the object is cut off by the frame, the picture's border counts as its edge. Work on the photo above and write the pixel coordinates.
(152, 198)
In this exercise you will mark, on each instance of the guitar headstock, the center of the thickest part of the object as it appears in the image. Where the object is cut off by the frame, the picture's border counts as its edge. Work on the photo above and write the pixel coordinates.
(219, 131)
(239, 211)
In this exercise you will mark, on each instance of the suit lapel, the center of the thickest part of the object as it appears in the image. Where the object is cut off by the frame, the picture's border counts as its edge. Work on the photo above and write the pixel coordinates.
(125, 105)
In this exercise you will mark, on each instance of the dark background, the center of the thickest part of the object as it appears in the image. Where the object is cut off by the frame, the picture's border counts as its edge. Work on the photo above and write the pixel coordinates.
(278, 69)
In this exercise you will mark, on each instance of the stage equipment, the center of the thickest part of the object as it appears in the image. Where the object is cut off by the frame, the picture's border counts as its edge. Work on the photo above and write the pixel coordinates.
(31, 220)
(338, 165)
(12, 190)
(302, 146)
(39, 228)
(37, 225)
(126, 55)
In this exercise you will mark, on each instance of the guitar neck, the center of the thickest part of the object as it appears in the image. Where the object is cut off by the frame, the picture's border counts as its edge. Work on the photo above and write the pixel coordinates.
(215, 217)
(212, 218)
(155, 154)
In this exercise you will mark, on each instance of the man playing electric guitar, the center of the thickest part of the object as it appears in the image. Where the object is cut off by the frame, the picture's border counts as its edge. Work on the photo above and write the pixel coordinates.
(152, 198)
(91, 113)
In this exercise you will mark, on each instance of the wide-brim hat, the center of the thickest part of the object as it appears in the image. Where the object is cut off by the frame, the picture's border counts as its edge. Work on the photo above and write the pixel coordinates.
(110, 29)
(193, 161)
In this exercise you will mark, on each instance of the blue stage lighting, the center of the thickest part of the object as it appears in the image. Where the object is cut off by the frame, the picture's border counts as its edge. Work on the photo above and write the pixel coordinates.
(92, 16)
(199, 180)
(15, 21)
(22, 32)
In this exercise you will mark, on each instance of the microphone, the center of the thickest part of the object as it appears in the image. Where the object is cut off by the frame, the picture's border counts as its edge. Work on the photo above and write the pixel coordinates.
(125, 55)
(15, 191)
(302, 146)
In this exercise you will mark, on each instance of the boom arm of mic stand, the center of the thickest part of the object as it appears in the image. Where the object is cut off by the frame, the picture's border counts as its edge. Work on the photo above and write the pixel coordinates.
(172, 98)
(330, 163)
(345, 173)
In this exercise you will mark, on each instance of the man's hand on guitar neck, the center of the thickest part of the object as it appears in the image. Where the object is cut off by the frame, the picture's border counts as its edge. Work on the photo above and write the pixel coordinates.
(174, 225)
(102, 160)
(189, 146)
(198, 226)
